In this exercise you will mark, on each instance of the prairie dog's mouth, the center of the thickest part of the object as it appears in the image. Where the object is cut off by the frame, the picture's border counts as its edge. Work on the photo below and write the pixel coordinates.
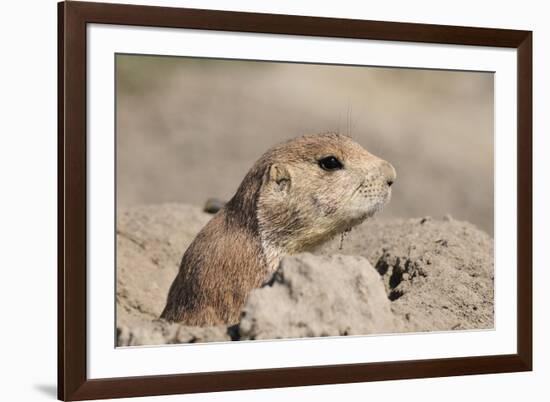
(378, 204)
(377, 207)
(371, 209)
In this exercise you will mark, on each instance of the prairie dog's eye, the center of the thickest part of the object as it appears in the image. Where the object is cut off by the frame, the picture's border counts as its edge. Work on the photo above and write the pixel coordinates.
(330, 163)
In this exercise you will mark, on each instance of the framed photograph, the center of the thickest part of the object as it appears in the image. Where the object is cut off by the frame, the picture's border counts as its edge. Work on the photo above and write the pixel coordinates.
(254, 200)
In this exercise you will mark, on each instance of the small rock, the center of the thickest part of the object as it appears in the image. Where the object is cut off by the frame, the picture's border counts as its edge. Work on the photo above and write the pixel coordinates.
(442, 242)
(425, 219)
(213, 205)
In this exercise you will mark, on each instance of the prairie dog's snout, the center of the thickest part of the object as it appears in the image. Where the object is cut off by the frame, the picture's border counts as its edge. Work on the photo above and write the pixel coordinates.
(388, 172)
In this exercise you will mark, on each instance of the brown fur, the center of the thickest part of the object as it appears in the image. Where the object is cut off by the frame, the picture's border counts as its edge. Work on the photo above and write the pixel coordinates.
(285, 204)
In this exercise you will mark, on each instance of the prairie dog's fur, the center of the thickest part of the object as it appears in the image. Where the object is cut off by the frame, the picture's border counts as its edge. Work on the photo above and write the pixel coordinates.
(291, 200)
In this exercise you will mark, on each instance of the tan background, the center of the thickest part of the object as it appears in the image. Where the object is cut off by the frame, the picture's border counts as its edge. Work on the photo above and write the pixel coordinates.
(189, 129)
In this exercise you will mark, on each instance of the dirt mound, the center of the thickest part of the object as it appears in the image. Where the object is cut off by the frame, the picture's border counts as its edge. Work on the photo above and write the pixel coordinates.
(428, 275)
(438, 274)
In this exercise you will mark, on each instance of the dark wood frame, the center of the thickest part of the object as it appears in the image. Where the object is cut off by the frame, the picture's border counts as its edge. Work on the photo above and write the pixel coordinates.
(73, 383)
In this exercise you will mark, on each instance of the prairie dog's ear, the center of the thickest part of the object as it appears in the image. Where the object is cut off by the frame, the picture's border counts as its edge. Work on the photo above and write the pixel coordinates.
(279, 175)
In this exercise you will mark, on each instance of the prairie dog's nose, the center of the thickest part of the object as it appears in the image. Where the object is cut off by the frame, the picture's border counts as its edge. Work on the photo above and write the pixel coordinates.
(388, 172)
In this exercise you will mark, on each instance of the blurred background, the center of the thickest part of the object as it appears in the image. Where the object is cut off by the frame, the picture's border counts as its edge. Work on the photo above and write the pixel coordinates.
(188, 129)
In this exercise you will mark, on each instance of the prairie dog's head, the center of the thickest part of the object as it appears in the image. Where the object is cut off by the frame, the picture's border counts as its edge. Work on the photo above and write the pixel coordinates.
(316, 186)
